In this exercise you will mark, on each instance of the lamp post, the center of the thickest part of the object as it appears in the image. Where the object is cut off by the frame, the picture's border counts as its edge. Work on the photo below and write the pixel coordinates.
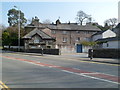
(18, 28)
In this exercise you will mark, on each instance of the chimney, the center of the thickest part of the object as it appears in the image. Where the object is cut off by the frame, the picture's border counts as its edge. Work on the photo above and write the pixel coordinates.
(58, 22)
(35, 21)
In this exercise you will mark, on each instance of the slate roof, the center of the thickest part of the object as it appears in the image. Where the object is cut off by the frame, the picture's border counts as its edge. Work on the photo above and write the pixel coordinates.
(99, 32)
(110, 39)
(68, 27)
(118, 26)
(39, 32)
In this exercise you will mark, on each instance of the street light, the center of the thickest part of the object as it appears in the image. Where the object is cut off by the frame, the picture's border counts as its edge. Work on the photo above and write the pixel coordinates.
(18, 28)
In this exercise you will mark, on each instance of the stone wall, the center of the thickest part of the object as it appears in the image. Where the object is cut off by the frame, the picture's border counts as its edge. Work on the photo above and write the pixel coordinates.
(45, 51)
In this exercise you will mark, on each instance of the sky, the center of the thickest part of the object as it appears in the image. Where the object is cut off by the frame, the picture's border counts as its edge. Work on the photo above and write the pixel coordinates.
(67, 11)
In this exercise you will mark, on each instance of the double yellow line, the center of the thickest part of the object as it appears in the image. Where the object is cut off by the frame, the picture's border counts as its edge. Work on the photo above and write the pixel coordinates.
(3, 86)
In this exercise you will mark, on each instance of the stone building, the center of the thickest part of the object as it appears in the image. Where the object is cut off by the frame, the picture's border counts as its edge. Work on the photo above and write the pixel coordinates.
(68, 35)
(37, 39)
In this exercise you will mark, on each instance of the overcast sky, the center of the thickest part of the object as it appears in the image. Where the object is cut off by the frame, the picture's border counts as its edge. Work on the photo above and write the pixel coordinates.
(100, 11)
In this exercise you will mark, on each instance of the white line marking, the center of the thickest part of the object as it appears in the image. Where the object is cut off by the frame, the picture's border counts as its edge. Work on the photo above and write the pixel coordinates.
(53, 66)
(90, 73)
(96, 72)
(91, 77)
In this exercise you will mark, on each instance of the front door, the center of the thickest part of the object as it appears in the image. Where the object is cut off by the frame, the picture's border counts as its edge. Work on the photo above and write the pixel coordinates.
(79, 48)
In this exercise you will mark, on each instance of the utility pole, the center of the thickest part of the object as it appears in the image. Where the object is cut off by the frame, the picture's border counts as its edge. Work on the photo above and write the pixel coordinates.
(18, 28)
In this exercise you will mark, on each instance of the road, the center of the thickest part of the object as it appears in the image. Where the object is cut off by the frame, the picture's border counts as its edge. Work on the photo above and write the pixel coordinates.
(49, 71)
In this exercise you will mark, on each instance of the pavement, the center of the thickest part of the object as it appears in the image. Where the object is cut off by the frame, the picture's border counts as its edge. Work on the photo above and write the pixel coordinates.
(75, 56)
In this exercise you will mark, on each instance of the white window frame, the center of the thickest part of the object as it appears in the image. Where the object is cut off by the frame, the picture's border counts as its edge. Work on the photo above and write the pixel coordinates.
(64, 32)
(78, 39)
(36, 40)
(64, 39)
(77, 31)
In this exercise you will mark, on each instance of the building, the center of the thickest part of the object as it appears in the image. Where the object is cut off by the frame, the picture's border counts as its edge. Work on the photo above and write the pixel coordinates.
(68, 35)
(37, 39)
(110, 43)
(108, 39)
(103, 34)
(117, 30)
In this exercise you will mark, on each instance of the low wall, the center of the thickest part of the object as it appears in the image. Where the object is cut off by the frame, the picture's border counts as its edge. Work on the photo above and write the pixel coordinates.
(106, 53)
(45, 51)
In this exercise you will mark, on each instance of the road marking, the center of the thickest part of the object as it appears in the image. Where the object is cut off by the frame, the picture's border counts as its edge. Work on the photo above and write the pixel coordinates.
(90, 73)
(99, 76)
(82, 74)
(96, 72)
(72, 59)
(3, 86)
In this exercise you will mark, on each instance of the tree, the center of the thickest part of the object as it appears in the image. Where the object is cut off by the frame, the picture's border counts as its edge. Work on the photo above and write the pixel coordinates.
(87, 43)
(111, 22)
(13, 16)
(105, 27)
(10, 36)
(81, 16)
(6, 38)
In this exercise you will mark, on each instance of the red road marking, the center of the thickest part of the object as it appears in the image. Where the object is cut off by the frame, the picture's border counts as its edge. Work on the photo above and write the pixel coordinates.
(73, 70)
(98, 75)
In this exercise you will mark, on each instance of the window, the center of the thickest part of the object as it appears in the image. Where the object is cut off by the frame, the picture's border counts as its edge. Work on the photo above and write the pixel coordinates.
(86, 39)
(78, 39)
(107, 45)
(77, 31)
(64, 32)
(53, 31)
(64, 39)
(36, 40)
(48, 47)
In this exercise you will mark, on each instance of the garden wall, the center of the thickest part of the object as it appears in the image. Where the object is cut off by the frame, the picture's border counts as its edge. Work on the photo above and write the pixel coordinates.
(45, 51)
(106, 53)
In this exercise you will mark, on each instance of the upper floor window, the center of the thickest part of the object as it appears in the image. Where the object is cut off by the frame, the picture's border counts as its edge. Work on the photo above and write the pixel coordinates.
(64, 32)
(36, 40)
(78, 39)
(77, 31)
(86, 39)
(64, 39)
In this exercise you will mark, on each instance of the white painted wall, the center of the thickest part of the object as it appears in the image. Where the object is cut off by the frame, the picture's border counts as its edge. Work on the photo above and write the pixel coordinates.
(111, 44)
(108, 34)
(86, 48)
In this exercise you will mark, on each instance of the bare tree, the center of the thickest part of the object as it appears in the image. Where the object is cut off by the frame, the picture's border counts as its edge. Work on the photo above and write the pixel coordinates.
(81, 16)
(111, 22)
(47, 21)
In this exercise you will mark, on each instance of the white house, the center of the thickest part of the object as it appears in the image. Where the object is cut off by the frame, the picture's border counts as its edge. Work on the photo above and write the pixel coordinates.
(103, 34)
(112, 42)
